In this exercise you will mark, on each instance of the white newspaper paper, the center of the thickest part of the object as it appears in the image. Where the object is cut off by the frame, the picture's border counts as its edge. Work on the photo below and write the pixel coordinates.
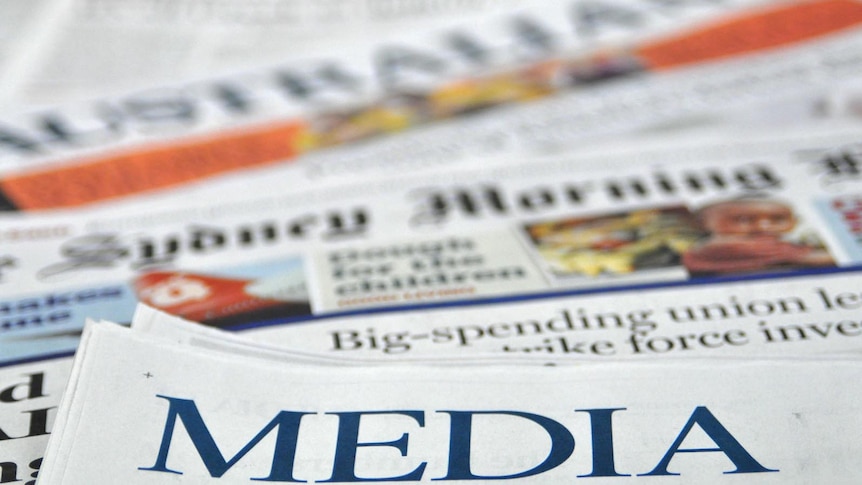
(542, 81)
(245, 419)
(23, 25)
(154, 43)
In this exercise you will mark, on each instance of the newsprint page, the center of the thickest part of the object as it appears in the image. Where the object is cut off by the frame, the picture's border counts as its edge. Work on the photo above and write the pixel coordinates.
(305, 241)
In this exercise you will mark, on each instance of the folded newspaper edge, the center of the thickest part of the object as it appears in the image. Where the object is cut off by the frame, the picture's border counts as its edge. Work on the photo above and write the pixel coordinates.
(281, 344)
(158, 324)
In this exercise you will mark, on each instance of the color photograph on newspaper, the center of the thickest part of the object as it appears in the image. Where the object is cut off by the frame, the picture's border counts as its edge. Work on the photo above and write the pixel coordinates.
(753, 235)
(746, 235)
(843, 214)
(637, 245)
(224, 297)
(228, 298)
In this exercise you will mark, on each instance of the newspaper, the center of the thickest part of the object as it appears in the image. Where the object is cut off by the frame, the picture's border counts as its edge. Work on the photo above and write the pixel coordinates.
(734, 420)
(578, 259)
(480, 234)
(292, 256)
(526, 81)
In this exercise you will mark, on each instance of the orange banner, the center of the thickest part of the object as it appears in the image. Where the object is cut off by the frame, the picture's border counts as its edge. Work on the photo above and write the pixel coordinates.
(87, 181)
(769, 28)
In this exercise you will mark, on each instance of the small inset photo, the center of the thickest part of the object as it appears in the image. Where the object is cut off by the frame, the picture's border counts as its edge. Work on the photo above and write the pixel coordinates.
(225, 299)
(753, 235)
(635, 246)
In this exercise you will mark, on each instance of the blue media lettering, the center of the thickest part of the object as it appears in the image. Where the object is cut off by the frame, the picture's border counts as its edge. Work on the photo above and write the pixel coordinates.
(286, 427)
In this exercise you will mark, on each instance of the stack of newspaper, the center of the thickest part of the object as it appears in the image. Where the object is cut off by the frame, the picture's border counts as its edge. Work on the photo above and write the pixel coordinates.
(414, 240)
